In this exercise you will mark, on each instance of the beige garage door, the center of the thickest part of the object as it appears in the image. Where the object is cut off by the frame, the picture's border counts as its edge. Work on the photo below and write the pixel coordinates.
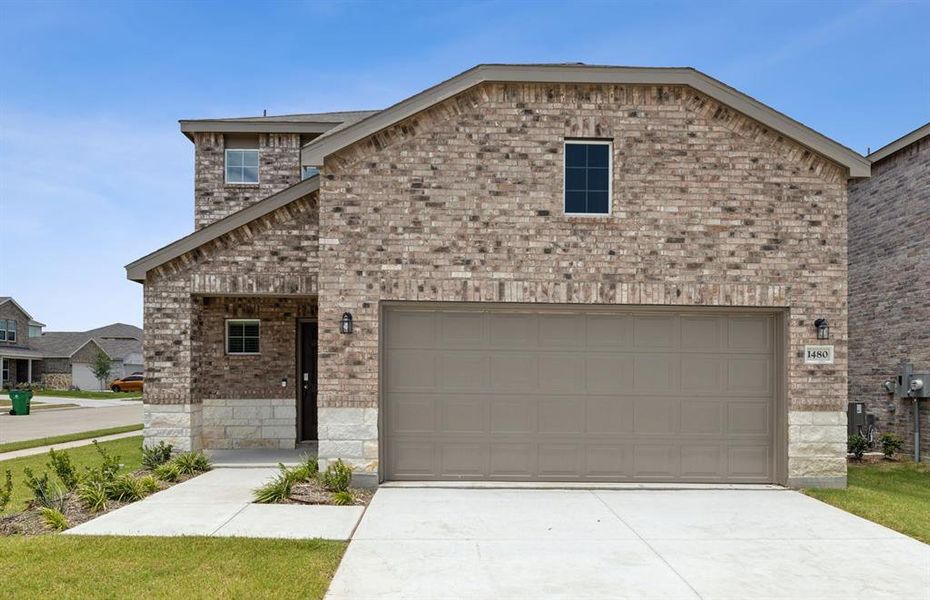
(576, 394)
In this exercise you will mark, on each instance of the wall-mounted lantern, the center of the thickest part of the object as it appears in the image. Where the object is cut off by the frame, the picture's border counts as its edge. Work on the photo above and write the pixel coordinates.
(823, 329)
(284, 382)
(345, 324)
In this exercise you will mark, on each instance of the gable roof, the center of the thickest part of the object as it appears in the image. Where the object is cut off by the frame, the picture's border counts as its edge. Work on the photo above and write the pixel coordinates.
(118, 340)
(314, 152)
(297, 123)
(5, 299)
(899, 144)
(137, 269)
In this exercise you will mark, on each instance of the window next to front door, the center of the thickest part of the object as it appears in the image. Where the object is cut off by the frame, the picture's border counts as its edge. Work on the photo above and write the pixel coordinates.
(588, 175)
(242, 166)
(243, 336)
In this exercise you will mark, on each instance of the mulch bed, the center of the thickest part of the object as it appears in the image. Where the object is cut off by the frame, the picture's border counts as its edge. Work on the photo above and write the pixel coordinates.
(30, 522)
(313, 492)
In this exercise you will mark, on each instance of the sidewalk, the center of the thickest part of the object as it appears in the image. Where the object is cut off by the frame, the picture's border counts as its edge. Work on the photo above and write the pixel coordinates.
(219, 504)
(66, 445)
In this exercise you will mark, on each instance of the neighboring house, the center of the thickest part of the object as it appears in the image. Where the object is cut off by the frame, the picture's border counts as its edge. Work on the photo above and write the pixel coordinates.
(62, 359)
(553, 272)
(889, 282)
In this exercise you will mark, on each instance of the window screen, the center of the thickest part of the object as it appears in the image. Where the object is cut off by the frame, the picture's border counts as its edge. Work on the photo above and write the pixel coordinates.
(587, 177)
(242, 166)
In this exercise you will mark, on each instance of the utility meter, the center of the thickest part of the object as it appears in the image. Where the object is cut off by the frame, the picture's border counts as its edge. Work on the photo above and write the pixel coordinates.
(909, 384)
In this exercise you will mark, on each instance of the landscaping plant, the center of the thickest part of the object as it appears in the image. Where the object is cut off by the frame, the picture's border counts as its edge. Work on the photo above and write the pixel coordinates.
(891, 444)
(337, 477)
(54, 518)
(60, 462)
(93, 495)
(276, 490)
(857, 445)
(191, 463)
(342, 498)
(157, 454)
(167, 472)
(45, 493)
(6, 491)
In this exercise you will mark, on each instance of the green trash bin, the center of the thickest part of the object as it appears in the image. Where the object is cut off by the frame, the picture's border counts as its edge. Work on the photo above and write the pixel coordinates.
(20, 400)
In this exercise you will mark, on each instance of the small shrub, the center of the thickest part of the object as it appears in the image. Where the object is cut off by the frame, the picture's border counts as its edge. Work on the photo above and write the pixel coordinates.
(106, 472)
(167, 472)
(342, 498)
(54, 519)
(891, 444)
(149, 484)
(126, 488)
(276, 490)
(191, 463)
(337, 477)
(60, 462)
(311, 465)
(93, 495)
(44, 493)
(6, 491)
(857, 445)
(159, 454)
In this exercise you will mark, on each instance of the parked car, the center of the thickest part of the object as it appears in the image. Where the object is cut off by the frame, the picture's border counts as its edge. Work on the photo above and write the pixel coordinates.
(132, 383)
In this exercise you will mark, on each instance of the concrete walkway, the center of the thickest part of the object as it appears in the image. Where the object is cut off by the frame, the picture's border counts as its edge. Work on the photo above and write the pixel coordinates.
(544, 544)
(219, 504)
(66, 445)
(48, 423)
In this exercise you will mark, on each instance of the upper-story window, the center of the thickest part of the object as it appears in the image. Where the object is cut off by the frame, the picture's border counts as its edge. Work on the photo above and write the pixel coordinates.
(588, 175)
(241, 166)
(7, 330)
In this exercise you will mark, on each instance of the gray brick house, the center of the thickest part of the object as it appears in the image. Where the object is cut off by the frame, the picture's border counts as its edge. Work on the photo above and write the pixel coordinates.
(62, 359)
(889, 282)
(553, 273)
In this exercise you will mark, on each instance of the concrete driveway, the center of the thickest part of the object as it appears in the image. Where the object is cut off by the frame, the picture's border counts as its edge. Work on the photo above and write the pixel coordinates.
(713, 544)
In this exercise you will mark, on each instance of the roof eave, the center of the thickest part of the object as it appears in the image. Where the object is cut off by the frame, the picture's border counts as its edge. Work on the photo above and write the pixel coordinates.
(899, 144)
(136, 270)
(315, 152)
(190, 127)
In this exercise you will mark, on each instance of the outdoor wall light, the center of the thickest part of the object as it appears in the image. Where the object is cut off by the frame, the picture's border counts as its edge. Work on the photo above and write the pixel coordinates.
(345, 324)
(284, 382)
(823, 329)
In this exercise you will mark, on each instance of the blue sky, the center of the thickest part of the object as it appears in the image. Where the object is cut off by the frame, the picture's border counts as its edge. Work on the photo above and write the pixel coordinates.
(94, 172)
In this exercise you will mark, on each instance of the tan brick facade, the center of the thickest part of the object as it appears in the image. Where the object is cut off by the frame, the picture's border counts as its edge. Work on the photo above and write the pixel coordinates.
(279, 167)
(889, 286)
(463, 202)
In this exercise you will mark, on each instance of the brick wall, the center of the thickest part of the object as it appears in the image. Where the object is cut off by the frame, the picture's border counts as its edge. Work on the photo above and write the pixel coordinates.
(463, 202)
(8, 311)
(279, 167)
(889, 285)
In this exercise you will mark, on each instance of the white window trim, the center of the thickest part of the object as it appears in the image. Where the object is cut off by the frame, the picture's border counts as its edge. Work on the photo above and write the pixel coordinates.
(610, 176)
(226, 337)
(226, 170)
(3, 330)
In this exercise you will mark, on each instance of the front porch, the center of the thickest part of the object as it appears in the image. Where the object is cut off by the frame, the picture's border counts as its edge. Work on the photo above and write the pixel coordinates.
(18, 366)
(252, 378)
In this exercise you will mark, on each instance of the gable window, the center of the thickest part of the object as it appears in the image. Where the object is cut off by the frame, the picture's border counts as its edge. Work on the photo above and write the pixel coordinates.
(242, 336)
(7, 330)
(588, 175)
(241, 166)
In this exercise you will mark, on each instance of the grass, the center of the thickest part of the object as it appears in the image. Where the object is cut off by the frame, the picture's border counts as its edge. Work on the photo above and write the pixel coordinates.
(5, 406)
(88, 395)
(128, 449)
(181, 567)
(61, 439)
(896, 495)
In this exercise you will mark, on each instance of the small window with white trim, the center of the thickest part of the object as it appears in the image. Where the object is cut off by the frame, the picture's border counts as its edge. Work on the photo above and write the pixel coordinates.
(241, 166)
(588, 177)
(243, 336)
(7, 330)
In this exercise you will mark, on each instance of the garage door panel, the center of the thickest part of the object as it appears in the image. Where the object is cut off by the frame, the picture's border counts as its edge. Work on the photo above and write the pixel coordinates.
(561, 372)
(513, 330)
(514, 414)
(411, 370)
(511, 371)
(464, 370)
(513, 460)
(612, 415)
(562, 414)
(573, 394)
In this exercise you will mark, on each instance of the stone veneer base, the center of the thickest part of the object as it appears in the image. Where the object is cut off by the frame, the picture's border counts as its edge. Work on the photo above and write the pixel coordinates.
(249, 423)
(177, 424)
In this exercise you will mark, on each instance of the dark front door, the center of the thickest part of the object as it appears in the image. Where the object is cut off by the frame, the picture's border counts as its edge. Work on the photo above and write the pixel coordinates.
(308, 379)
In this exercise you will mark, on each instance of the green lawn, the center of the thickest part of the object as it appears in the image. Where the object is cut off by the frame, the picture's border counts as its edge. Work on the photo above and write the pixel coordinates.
(128, 449)
(56, 566)
(896, 495)
(88, 395)
(61, 439)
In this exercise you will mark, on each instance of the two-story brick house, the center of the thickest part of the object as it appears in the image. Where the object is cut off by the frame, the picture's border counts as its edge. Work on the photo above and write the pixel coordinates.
(526, 272)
